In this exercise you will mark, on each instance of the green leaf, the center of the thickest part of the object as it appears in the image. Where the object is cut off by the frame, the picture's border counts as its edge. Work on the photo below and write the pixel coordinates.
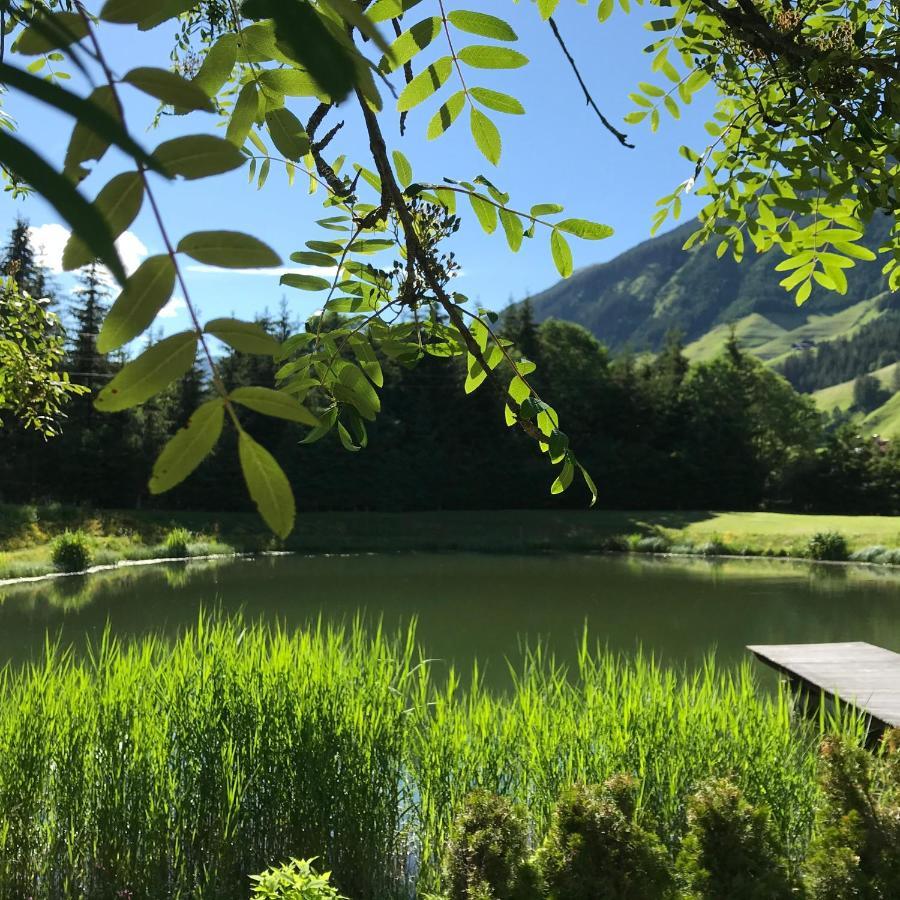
(446, 115)
(354, 388)
(153, 371)
(512, 226)
(146, 292)
(484, 57)
(245, 337)
(324, 247)
(306, 282)
(382, 10)
(143, 14)
(564, 479)
(243, 115)
(218, 65)
(311, 258)
(306, 38)
(487, 137)
(497, 101)
(287, 134)
(425, 84)
(268, 485)
(189, 447)
(605, 9)
(50, 31)
(412, 42)
(198, 156)
(169, 88)
(229, 250)
(118, 202)
(562, 253)
(403, 169)
(547, 8)
(545, 209)
(482, 24)
(589, 231)
(589, 482)
(273, 403)
(486, 212)
(291, 83)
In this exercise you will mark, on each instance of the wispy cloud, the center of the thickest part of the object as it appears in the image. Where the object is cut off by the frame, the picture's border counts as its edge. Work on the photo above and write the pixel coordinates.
(268, 273)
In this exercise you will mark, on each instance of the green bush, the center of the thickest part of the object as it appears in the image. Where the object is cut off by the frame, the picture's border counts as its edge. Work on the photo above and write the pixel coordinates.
(71, 552)
(295, 880)
(827, 545)
(872, 554)
(487, 858)
(855, 851)
(594, 848)
(729, 852)
(177, 542)
(652, 544)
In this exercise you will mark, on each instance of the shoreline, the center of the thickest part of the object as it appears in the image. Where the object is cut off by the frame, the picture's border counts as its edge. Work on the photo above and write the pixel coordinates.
(249, 556)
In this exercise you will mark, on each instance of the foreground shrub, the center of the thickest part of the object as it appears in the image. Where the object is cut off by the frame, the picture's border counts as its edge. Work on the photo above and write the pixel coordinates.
(296, 880)
(71, 552)
(488, 854)
(177, 541)
(856, 848)
(827, 545)
(595, 849)
(729, 852)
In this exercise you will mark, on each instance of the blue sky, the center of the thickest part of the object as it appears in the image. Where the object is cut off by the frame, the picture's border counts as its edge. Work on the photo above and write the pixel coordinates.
(558, 152)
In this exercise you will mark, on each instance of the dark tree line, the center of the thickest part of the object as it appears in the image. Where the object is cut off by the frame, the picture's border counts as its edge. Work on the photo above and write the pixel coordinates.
(727, 434)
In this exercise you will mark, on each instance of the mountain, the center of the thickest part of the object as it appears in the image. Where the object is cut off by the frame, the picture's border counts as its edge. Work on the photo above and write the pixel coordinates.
(632, 301)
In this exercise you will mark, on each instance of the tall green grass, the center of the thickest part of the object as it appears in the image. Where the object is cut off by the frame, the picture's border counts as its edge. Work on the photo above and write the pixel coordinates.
(154, 770)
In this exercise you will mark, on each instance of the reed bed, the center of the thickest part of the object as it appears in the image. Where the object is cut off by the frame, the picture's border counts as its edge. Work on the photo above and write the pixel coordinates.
(157, 770)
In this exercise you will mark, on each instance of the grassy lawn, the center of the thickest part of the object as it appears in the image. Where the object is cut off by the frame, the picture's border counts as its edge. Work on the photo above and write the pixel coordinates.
(26, 533)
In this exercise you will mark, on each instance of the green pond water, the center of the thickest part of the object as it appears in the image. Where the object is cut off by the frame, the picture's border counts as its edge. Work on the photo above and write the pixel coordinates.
(472, 606)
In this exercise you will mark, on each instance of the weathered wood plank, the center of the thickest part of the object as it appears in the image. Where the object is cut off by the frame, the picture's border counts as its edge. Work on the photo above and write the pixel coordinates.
(855, 672)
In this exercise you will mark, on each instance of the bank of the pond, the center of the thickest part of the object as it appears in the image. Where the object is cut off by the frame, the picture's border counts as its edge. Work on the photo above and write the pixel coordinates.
(27, 533)
(181, 769)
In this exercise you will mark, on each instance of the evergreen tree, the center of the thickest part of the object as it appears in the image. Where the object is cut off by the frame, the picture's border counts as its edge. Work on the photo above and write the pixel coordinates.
(20, 261)
(86, 365)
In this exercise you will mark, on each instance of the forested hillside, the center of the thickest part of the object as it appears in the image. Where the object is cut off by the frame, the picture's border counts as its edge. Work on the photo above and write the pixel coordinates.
(634, 300)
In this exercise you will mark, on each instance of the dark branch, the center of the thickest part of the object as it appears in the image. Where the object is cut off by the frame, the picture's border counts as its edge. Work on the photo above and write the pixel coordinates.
(620, 137)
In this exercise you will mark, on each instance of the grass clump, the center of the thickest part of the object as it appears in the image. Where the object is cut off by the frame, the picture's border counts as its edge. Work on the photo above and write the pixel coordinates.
(730, 849)
(71, 552)
(295, 880)
(177, 542)
(654, 543)
(596, 849)
(827, 545)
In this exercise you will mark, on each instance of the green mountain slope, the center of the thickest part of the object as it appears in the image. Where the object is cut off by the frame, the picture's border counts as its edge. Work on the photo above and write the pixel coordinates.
(633, 300)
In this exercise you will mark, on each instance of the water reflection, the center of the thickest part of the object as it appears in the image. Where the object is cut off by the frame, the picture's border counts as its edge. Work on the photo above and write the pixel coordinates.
(470, 605)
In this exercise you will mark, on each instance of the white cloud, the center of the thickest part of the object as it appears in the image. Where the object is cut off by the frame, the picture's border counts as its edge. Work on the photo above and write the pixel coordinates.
(50, 241)
(173, 308)
(281, 270)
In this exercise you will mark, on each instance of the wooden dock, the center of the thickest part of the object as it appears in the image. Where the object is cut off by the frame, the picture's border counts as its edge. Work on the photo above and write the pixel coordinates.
(856, 673)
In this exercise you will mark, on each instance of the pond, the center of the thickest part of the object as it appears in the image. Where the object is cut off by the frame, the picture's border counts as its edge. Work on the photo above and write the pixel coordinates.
(480, 606)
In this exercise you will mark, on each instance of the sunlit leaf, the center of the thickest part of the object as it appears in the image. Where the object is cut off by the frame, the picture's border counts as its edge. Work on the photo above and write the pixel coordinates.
(245, 337)
(273, 403)
(198, 156)
(189, 447)
(229, 250)
(153, 371)
(268, 485)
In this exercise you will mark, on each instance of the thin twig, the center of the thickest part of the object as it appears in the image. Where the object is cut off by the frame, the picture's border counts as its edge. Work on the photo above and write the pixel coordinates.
(620, 137)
